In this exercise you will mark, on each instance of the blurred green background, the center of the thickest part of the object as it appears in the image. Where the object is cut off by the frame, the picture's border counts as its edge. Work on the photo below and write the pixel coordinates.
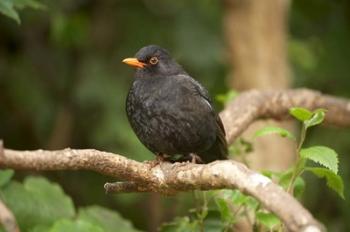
(62, 84)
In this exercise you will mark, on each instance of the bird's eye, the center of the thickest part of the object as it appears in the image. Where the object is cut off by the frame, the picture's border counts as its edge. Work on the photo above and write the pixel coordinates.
(153, 60)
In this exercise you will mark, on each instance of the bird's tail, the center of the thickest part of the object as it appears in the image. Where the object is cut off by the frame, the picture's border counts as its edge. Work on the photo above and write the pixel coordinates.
(218, 151)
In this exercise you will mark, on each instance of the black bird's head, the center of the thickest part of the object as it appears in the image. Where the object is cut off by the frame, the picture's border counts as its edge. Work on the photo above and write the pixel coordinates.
(153, 60)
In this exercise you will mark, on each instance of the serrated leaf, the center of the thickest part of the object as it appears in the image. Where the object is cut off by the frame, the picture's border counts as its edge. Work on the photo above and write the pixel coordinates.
(274, 130)
(301, 114)
(322, 155)
(334, 181)
(38, 195)
(267, 219)
(7, 8)
(75, 226)
(107, 219)
(5, 176)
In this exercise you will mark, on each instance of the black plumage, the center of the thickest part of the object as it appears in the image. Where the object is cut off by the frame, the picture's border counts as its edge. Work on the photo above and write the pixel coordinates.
(170, 112)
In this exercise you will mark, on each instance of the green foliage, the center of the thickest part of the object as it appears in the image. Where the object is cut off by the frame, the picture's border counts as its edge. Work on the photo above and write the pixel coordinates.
(319, 154)
(226, 98)
(226, 207)
(284, 178)
(37, 193)
(274, 130)
(225, 210)
(317, 117)
(107, 219)
(291, 179)
(322, 155)
(301, 114)
(75, 226)
(308, 118)
(334, 181)
(5, 176)
(179, 224)
(10, 7)
(240, 147)
(54, 211)
(267, 219)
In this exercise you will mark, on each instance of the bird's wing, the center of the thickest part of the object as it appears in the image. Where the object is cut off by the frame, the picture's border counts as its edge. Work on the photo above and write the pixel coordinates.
(220, 146)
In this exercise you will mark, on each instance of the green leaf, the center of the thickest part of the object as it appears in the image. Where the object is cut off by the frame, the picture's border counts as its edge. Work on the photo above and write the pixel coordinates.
(10, 7)
(212, 222)
(107, 219)
(299, 184)
(274, 130)
(301, 114)
(75, 226)
(180, 224)
(40, 228)
(267, 219)
(224, 209)
(5, 176)
(322, 155)
(317, 117)
(7, 8)
(334, 181)
(226, 98)
(299, 187)
(20, 4)
(240, 147)
(38, 195)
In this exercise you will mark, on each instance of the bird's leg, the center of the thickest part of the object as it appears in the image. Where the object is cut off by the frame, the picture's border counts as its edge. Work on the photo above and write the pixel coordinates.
(195, 159)
(160, 157)
(189, 158)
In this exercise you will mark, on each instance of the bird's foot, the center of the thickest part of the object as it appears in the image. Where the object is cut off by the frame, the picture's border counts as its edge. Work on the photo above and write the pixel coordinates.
(195, 159)
(160, 157)
(189, 158)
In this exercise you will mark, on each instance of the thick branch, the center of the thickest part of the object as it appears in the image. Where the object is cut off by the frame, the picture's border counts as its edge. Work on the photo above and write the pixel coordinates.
(255, 104)
(168, 179)
(7, 219)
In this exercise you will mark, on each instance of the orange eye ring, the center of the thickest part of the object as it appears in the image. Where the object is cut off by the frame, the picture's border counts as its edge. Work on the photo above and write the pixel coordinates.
(153, 60)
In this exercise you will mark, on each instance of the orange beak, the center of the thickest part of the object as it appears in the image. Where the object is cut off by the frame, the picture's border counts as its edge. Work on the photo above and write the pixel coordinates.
(134, 62)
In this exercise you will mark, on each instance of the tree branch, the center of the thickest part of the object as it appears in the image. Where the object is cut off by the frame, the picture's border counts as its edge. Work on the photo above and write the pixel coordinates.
(256, 104)
(169, 178)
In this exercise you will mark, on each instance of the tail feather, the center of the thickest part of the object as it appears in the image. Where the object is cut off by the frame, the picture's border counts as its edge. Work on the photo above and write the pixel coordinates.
(218, 151)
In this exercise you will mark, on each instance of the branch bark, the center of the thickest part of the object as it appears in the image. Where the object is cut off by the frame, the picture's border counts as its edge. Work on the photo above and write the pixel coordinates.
(7, 219)
(169, 178)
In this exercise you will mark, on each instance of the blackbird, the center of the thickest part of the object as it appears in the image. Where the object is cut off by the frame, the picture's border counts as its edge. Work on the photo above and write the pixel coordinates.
(170, 112)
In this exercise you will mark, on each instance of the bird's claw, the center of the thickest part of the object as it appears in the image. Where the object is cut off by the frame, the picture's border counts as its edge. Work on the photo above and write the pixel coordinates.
(160, 157)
